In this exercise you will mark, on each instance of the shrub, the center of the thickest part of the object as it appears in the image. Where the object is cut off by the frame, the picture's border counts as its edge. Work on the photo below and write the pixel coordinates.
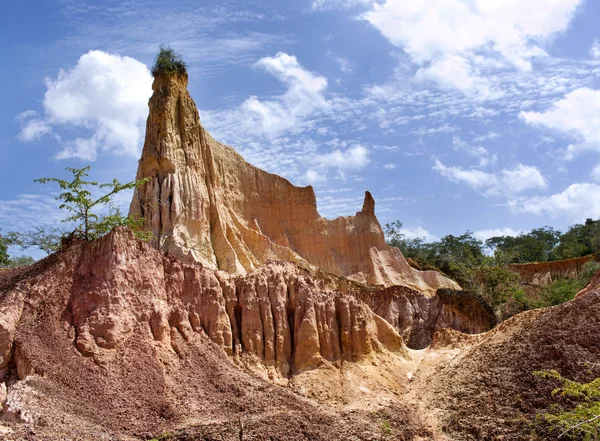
(168, 62)
(563, 289)
(78, 200)
(581, 422)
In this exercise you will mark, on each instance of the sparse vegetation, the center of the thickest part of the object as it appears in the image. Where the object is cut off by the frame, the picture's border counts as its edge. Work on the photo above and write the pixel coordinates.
(45, 238)
(581, 419)
(168, 62)
(4, 258)
(386, 430)
(77, 199)
(483, 268)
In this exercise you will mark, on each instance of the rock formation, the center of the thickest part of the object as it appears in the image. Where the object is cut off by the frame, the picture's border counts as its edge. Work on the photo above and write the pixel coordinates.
(204, 203)
(114, 339)
(126, 321)
(543, 273)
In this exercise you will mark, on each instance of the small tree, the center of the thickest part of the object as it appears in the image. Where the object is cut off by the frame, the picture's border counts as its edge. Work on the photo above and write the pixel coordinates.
(78, 200)
(168, 62)
(583, 421)
(44, 238)
(4, 259)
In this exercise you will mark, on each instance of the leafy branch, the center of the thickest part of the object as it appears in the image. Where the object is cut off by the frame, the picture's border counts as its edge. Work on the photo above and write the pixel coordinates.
(78, 199)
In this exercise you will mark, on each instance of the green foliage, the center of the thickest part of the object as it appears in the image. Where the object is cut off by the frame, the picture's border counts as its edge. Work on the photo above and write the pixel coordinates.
(463, 259)
(386, 430)
(581, 422)
(4, 258)
(563, 289)
(17, 262)
(580, 240)
(78, 200)
(547, 244)
(168, 62)
(46, 239)
(535, 246)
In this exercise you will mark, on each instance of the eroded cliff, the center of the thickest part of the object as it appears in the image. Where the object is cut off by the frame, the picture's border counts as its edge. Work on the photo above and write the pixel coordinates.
(204, 203)
(129, 324)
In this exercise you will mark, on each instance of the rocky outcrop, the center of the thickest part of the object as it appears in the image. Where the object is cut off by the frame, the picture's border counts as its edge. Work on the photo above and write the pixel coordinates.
(417, 317)
(204, 203)
(543, 273)
(118, 320)
(279, 316)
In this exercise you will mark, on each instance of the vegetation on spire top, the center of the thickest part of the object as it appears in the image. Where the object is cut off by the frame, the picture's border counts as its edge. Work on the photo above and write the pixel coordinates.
(168, 62)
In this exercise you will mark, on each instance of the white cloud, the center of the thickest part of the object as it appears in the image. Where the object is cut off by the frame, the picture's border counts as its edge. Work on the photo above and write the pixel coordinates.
(576, 115)
(314, 177)
(418, 233)
(455, 72)
(484, 235)
(304, 98)
(595, 50)
(32, 126)
(325, 5)
(390, 166)
(345, 65)
(576, 203)
(104, 95)
(478, 152)
(596, 173)
(505, 182)
(461, 36)
(354, 158)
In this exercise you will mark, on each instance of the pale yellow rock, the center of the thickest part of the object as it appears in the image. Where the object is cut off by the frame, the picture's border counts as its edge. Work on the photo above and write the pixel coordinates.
(205, 203)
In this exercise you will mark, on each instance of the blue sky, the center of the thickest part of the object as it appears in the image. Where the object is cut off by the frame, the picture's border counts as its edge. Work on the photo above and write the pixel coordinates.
(479, 115)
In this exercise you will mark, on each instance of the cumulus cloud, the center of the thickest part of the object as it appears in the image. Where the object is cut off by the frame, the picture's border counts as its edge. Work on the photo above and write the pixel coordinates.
(351, 159)
(419, 233)
(484, 235)
(455, 72)
(288, 112)
(103, 95)
(390, 166)
(576, 203)
(595, 50)
(576, 115)
(505, 182)
(596, 173)
(33, 127)
(354, 158)
(461, 36)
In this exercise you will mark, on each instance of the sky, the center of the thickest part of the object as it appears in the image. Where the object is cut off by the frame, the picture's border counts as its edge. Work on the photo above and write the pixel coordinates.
(479, 115)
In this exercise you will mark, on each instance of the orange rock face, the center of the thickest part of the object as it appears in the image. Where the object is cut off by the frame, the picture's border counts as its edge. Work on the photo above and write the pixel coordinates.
(542, 273)
(204, 203)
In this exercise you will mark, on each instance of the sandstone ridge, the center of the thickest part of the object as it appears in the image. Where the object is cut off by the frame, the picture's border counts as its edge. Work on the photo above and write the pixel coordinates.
(205, 203)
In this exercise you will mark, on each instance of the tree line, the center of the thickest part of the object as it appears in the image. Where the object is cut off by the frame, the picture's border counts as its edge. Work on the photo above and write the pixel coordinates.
(482, 267)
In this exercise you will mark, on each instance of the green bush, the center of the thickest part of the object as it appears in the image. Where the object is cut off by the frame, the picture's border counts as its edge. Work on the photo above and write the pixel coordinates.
(562, 289)
(168, 62)
(581, 422)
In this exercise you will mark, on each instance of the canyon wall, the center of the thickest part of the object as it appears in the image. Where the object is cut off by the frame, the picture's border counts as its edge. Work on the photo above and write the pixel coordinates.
(204, 203)
(543, 273)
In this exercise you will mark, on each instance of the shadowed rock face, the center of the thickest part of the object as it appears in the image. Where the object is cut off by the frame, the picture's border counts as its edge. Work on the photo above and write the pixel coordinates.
(204, 203)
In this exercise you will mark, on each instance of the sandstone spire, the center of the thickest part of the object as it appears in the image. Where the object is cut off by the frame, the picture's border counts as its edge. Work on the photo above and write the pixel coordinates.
(204, 203)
